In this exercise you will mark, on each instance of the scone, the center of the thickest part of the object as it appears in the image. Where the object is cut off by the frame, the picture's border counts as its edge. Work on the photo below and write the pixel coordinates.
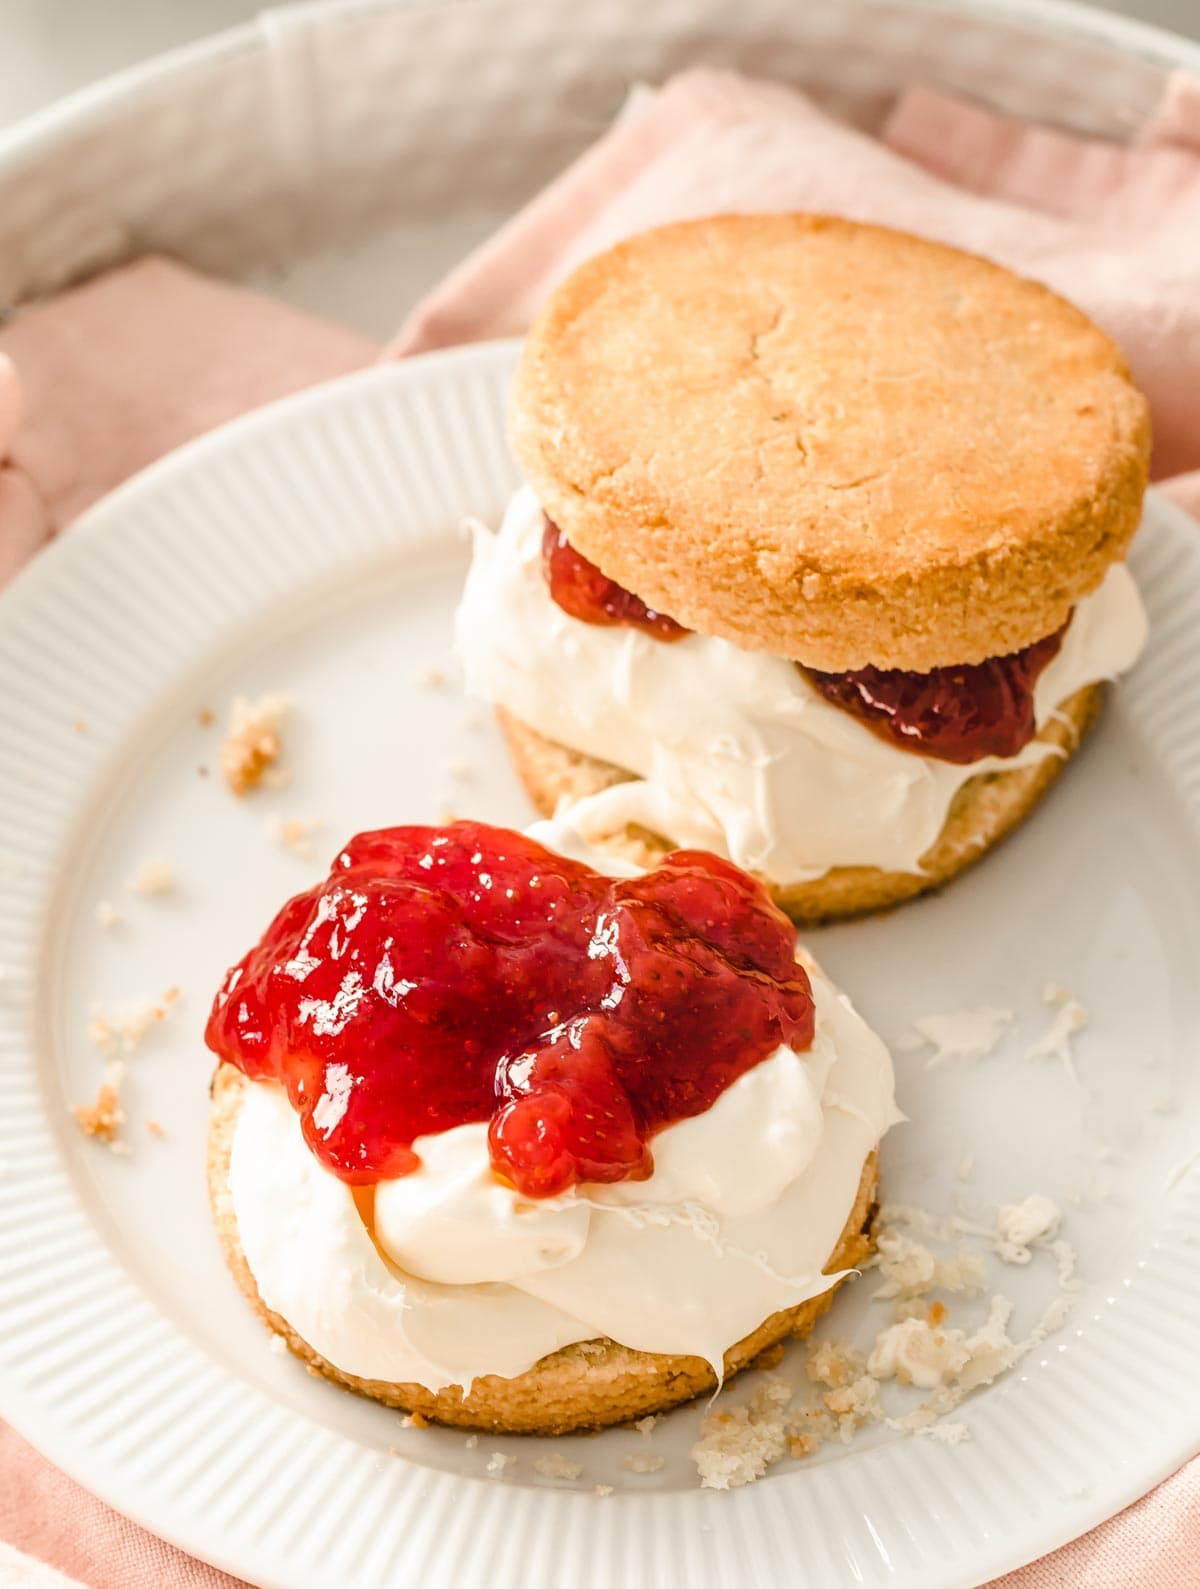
(522, 1145)
(820, 560)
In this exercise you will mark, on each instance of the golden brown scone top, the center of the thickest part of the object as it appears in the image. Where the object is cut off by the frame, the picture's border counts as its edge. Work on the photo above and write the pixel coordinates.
(831, 441)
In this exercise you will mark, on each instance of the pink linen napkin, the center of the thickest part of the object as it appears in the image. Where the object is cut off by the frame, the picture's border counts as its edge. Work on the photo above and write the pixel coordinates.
(1112, 228)
(106, 377)
(116, 372)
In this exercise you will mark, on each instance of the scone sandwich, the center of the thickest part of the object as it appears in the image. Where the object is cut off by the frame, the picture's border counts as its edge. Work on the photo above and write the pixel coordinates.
(523, 1144)
(819, 564)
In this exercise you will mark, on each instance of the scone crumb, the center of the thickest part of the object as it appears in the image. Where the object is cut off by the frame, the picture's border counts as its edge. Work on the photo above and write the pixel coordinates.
(155, 1129)
(646, 1425)
(910, 1269)
(738, 1446)
(834, 1363)
(252, 744)
(556, 1466)
(206, 717)
(497, 1463)
(644, 1462)
(296, 833)
(471, 1442)
(154, 877)
(277, 1343)
(446, 816)
(79, 725)
(603, 1489)
(116, 1034)
(103, 1119)
(107, 914)
(1020, 1225)
(430, 675)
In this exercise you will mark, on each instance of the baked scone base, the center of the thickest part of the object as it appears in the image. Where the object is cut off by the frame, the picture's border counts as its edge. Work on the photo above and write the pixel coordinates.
(985, 809)
(586, 1386)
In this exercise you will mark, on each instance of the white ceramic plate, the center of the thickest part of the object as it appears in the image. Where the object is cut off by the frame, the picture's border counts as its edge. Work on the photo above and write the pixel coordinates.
(313, 548)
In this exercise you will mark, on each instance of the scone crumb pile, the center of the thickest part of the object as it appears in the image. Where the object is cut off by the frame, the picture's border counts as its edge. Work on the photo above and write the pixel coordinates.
(845, 1387)
(252, 744)
(122, 1031)
(117, 1035)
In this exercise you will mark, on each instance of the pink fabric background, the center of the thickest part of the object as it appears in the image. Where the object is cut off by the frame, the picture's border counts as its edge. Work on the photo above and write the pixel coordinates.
(108, 376)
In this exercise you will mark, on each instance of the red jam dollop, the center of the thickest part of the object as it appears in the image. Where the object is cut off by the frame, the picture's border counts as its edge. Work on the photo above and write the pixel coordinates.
(582, 590)
(958, 714)
(466, 973)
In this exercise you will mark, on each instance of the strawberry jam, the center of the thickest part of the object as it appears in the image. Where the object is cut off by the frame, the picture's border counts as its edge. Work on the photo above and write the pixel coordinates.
(466, 973)
(958, 714)
(582, 590)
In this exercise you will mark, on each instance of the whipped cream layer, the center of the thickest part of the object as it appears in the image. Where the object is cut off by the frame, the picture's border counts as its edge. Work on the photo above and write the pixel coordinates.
(463, 1276)
(734, 751)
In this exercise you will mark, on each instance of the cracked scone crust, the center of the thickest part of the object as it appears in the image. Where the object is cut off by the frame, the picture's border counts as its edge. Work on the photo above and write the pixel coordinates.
(587, 1386)
(834, 442)
(985, 809)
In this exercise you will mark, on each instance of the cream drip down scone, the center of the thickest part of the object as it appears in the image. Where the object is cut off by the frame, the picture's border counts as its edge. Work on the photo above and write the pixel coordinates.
(522, 1145)
(820, 560)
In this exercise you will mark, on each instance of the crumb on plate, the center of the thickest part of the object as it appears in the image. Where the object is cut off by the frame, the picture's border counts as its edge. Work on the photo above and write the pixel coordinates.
(296, 833)
(155, 876)
(556, 1466)
(102, 1119)
(252, 744)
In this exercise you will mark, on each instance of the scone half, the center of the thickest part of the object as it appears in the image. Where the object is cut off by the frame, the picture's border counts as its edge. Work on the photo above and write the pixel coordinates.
(588, 1385)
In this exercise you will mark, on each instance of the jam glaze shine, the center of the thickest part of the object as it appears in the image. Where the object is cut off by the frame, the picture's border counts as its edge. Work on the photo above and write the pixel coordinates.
(958, 714)
(444, 976)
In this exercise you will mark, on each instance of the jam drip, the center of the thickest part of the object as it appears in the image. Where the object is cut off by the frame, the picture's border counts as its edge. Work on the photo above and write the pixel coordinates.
(582, 590)
(958, 714)
(448, 975)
